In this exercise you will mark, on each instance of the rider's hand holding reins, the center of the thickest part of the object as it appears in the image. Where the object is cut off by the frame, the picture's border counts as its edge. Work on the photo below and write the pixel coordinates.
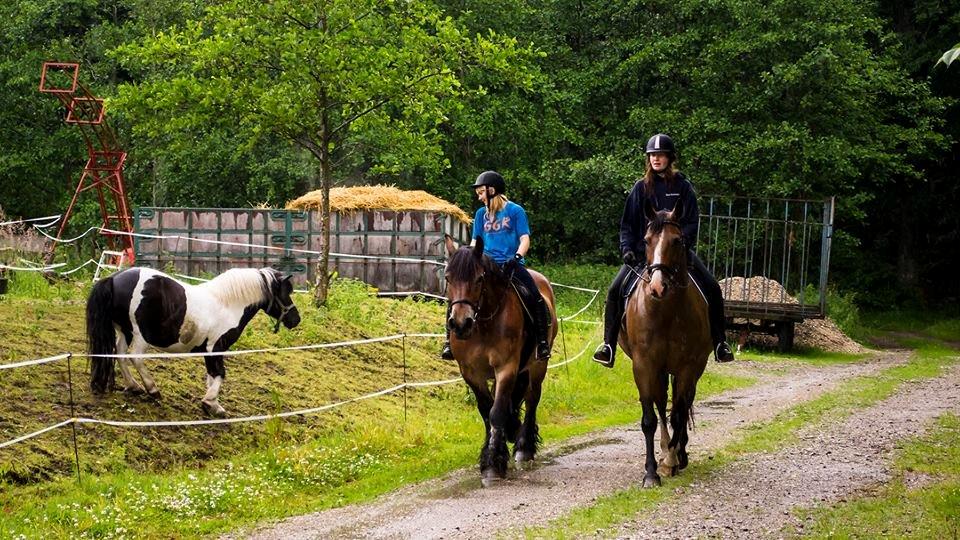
(630, 258)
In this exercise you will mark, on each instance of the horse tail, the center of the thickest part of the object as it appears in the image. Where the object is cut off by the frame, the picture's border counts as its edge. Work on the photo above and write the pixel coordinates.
(101, 338)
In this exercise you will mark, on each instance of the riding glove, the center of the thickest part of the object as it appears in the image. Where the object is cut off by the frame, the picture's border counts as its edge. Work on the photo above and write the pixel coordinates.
(630, 258)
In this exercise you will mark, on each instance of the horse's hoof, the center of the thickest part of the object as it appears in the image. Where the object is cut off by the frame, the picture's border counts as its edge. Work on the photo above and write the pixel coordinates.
(490, 480)
(522, 458)
(666, 470)
(155, 395)
(134, 390)
(215, 410)
(651, 481)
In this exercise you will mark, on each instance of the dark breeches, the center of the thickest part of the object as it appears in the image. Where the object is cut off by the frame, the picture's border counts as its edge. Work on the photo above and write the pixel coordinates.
(711, 289)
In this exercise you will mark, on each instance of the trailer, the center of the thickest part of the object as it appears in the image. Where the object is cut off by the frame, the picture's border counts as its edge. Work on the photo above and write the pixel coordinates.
(772, 258)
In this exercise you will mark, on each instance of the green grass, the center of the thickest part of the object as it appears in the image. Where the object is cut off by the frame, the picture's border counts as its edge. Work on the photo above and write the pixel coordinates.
(897, 511)
(910, 326)
(607, 512)
(813, 357)
(188, 482)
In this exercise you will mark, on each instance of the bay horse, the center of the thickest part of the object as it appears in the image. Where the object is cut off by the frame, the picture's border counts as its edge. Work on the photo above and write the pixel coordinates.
(666, 332)
(150, 308)
(491, 343)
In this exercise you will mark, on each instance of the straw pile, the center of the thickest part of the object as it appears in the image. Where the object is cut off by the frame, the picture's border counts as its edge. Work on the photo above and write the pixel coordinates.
(819, 333)
(346, 199)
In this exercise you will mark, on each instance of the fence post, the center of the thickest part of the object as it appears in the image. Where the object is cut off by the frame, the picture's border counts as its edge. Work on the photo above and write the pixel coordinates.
(73, 414)
(403, 343)
(563, 341)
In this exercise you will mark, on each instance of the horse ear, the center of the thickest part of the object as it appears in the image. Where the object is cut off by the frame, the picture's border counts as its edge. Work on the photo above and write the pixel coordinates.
(677, 213)
(649, 210)
(450, 244)
(287, 277)
(478, 247)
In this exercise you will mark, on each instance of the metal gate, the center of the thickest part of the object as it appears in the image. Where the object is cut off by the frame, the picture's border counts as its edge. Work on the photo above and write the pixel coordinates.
(772, 257)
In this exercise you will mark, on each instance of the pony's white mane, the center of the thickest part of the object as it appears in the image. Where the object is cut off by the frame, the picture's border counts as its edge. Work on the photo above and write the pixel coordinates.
(242, 286)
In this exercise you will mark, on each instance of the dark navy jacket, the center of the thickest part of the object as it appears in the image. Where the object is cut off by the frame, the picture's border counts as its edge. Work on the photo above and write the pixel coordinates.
(633, 224)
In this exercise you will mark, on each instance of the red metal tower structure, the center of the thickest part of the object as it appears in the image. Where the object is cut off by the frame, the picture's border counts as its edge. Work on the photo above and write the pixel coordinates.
(104, 169)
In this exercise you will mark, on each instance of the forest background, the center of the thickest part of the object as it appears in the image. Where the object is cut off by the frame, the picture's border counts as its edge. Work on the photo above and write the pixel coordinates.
(236, 103)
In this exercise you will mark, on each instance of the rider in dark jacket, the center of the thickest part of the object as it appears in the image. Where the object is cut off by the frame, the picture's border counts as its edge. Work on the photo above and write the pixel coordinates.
(663, 186)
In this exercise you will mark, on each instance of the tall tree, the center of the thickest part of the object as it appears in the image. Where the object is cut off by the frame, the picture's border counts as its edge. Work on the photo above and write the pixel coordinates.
(352, 82)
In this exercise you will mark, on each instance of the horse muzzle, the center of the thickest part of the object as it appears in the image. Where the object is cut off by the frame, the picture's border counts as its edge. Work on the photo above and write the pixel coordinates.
(461, 329)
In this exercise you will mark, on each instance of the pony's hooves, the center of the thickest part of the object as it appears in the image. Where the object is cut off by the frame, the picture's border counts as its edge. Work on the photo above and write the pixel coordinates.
(651, 481)
(214, 410)
(134, 390)
(155, 395)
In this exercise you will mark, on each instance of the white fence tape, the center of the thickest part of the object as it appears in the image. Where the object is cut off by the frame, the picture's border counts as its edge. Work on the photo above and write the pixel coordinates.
(52, 219)
(36, 433)
(35, 362)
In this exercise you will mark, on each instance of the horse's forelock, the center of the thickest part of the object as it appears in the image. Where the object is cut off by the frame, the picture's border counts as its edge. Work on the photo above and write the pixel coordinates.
(463, 266)
(657, 224)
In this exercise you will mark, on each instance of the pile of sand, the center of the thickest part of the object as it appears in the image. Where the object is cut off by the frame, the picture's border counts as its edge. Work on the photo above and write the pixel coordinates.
(818, 333)
(345, 199)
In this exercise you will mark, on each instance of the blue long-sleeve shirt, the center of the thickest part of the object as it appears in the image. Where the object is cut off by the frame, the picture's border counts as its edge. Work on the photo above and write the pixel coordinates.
(633, 224)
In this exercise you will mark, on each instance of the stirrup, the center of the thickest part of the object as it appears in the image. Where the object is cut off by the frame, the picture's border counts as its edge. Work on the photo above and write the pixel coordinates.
(722, 352)
(604, 355)
(543, 351)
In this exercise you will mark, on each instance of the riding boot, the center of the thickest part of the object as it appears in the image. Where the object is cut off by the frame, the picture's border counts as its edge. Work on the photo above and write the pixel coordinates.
(612, 313)
(542, 322)
(446, 353)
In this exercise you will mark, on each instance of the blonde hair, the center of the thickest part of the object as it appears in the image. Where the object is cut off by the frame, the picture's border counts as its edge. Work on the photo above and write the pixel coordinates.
(496, 204)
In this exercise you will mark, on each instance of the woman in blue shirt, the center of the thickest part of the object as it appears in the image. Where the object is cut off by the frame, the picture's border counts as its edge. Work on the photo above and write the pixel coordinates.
(506, 239)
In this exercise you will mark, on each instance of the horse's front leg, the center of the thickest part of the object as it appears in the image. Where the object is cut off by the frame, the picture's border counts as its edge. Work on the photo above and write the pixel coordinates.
(649, 426)
(216, 372)
(496, 466)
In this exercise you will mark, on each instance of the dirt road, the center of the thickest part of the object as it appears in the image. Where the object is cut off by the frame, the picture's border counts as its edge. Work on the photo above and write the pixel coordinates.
(751, 498)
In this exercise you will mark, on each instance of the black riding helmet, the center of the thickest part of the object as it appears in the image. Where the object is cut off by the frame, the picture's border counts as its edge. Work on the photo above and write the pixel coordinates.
(492, 179)
(661, 142)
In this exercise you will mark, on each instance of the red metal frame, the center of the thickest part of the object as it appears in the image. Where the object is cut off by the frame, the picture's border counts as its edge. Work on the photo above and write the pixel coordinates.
(104, 168)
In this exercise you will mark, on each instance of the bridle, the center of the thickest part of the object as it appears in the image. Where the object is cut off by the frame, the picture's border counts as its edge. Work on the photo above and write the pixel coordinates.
(479, 303)
(670, 272)
(283, 311)
(275, 300)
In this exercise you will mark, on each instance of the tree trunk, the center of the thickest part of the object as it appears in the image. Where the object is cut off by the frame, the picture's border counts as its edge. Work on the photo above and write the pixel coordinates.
(323, 267)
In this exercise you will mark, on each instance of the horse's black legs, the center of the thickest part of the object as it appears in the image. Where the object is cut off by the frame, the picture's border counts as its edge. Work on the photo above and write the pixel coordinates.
(496, 466)
(526, 448)
(216, 372)
(683, 395)
(649, 426)
(484, 404)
